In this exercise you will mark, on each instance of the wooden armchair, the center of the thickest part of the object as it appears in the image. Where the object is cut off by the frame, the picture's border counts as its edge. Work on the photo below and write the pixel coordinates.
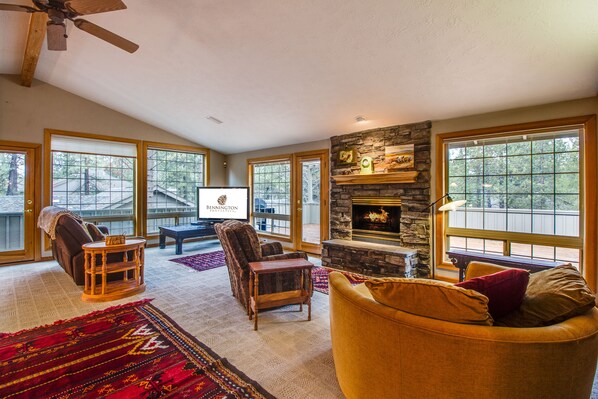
(241, 245)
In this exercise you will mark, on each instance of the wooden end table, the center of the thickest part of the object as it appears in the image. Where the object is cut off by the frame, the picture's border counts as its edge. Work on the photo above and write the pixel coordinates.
(265, 301)
(105, 290)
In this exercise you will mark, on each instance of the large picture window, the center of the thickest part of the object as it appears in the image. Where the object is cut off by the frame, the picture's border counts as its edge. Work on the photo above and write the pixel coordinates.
(524, 190)
(172, 181)
(271, 196)
(95, 179)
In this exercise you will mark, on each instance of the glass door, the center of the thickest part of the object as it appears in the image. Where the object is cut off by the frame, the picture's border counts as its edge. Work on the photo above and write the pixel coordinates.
(17, 221)
(311, 192)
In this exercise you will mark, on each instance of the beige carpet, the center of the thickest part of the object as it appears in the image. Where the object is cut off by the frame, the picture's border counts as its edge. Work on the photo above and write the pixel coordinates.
(288, 356)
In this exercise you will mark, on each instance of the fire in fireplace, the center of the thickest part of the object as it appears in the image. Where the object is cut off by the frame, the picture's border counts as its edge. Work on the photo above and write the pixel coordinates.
(376, 217)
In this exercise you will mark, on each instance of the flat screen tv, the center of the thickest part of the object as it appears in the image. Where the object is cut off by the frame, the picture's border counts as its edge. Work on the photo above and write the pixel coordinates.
(222, 203)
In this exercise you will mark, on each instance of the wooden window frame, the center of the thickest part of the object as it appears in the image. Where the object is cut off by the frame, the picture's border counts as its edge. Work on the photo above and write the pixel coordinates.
(140, 200)
(588, 172)
(273, 159)
(152, 145)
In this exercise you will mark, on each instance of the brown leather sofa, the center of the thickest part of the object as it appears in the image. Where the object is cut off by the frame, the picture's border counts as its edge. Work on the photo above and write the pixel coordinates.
(67, 248)
(382, 352)
(241, 245)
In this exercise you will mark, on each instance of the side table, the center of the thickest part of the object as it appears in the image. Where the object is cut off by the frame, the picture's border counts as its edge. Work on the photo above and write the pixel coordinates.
(265, 301)
(103, 290)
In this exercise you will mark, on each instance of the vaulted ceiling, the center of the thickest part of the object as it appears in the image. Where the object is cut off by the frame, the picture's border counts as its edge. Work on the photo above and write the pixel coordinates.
(280, 72)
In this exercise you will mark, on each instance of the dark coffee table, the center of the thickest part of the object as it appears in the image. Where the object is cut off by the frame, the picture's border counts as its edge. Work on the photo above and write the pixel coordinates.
(180, 233)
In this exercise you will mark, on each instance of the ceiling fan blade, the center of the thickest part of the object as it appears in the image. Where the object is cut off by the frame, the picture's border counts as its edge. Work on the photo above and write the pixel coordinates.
(106, 35)
(14, 7)
(86, 7)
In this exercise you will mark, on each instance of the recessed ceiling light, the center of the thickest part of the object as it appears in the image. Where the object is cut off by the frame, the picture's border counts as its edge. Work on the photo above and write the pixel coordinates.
(215, 120)
(360, 118)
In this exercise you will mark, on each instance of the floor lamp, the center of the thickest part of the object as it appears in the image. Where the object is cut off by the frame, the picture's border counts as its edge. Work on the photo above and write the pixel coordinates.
(450, 205)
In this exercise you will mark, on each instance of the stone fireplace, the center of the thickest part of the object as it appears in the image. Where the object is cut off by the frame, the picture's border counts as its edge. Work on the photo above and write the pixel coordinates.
(379, 224)
(376, 218)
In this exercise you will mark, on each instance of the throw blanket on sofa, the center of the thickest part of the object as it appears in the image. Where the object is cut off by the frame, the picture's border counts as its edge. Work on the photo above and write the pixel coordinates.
(48, 217)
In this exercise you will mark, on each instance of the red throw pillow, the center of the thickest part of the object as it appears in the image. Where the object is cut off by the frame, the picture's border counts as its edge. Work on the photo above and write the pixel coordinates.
(505, 290)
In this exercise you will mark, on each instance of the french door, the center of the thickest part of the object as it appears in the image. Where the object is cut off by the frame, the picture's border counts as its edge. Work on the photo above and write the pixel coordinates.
(17, 203)
(311, 200)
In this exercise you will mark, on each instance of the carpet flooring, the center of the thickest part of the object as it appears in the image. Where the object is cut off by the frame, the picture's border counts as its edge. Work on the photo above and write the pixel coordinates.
(126, 351)
(288, 356)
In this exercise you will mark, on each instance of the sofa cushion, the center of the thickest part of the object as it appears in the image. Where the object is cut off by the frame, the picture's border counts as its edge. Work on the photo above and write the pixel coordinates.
(505, 290)
(552, 296)
(95, 233)
(431, 298)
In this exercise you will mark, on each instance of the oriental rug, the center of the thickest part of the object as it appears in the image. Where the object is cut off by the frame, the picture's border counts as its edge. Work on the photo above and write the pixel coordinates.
(127, 351)
(320, 274)
(204, 261)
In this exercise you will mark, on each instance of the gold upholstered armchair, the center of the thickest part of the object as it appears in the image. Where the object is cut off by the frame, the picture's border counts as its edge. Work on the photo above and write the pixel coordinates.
(383, 352)
(241, 245)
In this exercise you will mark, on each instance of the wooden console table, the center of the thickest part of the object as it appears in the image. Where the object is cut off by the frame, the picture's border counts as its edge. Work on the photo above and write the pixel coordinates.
(104, 290)
(265, 301)
(461, 259)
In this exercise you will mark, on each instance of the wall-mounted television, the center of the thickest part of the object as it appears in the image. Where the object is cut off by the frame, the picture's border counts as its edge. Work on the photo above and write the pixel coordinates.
(222, 203)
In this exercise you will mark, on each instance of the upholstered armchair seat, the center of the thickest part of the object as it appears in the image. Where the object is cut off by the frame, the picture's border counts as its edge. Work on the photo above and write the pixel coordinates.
(241, 246)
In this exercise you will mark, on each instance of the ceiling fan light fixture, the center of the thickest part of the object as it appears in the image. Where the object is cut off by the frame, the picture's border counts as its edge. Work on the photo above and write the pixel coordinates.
(56, 36)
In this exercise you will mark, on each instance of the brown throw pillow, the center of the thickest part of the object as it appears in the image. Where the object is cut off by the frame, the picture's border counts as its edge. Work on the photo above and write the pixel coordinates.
(94, 232)
(431, 298)
(552, 296)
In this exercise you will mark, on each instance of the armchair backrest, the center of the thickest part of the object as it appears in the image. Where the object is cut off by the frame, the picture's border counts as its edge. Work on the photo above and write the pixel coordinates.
(240, 242)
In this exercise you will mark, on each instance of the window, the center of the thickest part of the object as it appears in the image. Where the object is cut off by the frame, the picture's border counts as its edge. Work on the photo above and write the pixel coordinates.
(172, 181)
(524, 189)
(271, 196)
(95, 179)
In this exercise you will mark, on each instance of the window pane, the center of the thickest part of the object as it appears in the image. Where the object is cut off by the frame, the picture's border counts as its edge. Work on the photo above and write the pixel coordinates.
(457, 243)
(475, 167)
(95, 186)
(519, 165)
(526, 183)
(519, 148)
(272, 195)
(172, 181)
(567, 162)
(521, 250)
(543, 184)
(542, 252)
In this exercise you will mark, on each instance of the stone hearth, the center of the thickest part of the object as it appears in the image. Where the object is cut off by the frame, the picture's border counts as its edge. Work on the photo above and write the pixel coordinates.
(414, 197)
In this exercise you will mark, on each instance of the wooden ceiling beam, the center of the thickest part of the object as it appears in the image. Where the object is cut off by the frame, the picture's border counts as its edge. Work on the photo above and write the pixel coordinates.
(35, 39)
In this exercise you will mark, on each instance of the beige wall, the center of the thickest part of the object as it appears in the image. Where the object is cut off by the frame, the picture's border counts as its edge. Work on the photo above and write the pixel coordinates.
(586, 106)
(237, 163)
(26, 112)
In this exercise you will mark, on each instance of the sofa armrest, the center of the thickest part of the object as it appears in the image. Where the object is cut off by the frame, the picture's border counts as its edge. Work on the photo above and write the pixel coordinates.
(103, 229)
(290, 255)
(478, 269)
(271, 248)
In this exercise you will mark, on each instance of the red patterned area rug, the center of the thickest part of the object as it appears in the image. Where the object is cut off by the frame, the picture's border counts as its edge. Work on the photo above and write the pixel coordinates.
(201, 262)
(127, 351)
(320, 274)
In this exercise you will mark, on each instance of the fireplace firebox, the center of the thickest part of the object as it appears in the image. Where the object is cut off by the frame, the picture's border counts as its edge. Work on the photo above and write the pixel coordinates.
(376, 217)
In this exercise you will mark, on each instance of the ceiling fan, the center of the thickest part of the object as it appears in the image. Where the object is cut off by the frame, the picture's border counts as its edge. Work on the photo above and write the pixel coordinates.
(60, 10)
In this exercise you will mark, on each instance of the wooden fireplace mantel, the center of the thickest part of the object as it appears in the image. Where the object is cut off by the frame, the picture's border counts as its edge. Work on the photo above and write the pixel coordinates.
(377, 178)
